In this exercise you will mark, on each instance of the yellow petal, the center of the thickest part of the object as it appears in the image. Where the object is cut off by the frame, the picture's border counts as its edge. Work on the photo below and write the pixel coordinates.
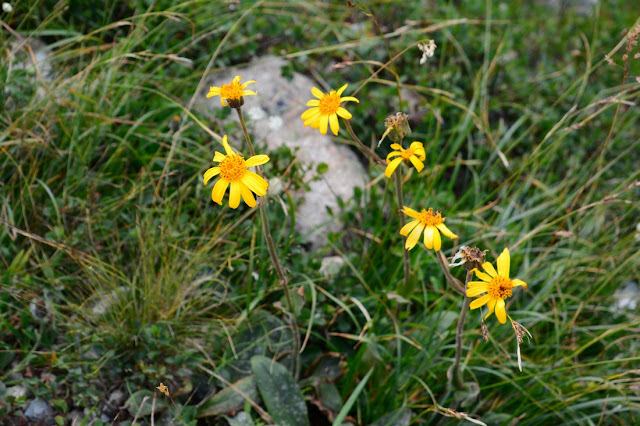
(218, 190)
(410, 212)
(255, 183)
(414, 237)
(476, 290)
(237, 79)
(218, 157)
(310, 113)
(245, 84)
(333, 121)
(393, 154)
(408, 227)
(313, 120)
(517, 283)
(480, 302)
(257, 160)
(223, 101)
(416, 163)
(484, 277)
(214, 171)
(313, 102)
(501, 312)
(392, 167)
(489, 269)
(492, 306)
(437, 241)
(213, 91)
(446, 231)
(317, 92)
(248, 93)
(324, 124)
(247, 195)
(396, 146)
(344, 113)
(503, 263)
(475, 283)
(428, 237)
(416, 145)
(349, 98)
(340, 90)
(234, 195)
(227, 148)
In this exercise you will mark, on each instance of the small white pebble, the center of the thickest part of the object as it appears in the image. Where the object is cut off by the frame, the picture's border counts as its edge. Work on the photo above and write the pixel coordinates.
(7, 7)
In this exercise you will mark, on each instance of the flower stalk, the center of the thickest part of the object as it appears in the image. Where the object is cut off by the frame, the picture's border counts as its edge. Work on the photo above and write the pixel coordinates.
(405, 251)
(458, 382)
(275, 260)
(365, 150)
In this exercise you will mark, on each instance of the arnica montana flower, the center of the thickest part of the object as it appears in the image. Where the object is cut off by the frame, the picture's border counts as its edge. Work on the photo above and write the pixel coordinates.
(496, 284)
(233, 170)
(432, 224)
(326, 110)
(415, 154)
(232, 94)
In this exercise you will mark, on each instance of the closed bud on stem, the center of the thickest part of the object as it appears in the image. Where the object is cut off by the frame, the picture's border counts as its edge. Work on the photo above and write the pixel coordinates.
(396, 127)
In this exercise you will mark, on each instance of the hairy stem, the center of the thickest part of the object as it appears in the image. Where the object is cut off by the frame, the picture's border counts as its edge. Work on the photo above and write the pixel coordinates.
(405, 252)
(453, 282)
(365, 150)
(275, 260)
(457, 374)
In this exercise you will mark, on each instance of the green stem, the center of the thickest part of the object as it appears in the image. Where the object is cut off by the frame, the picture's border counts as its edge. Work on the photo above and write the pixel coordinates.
(275, 260)
(458, 382)
(405, 252)
(366, 151)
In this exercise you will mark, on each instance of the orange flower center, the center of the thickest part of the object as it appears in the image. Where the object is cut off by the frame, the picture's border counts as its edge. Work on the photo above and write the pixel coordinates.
(232, 168)
(329, 103)
(232, 90)
(428, 218)
(500, 287)
(406, 154)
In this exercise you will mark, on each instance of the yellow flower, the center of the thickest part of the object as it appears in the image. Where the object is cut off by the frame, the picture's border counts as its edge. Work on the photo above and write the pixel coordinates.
(415, 154)
(497, 285)
(233, 171)
(232, 92)
(432, 224)
(326, 110)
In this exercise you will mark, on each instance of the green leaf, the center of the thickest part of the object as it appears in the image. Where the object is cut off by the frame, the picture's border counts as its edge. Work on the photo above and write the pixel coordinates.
(279, 392)
(230, 398)
(352, 400)
(322, 168)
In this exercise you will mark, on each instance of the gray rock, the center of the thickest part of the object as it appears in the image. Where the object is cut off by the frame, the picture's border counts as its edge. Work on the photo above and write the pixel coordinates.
(627, 297)
(16, 392)
(39, 410)
(76, 417)
(116, 398)
(273, 118)
(331, 265)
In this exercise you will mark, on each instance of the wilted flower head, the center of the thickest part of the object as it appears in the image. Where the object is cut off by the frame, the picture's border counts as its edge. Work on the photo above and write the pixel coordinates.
(469, 257)
(397, 127)
(232, 94)
(164, 389)
(326, 110)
